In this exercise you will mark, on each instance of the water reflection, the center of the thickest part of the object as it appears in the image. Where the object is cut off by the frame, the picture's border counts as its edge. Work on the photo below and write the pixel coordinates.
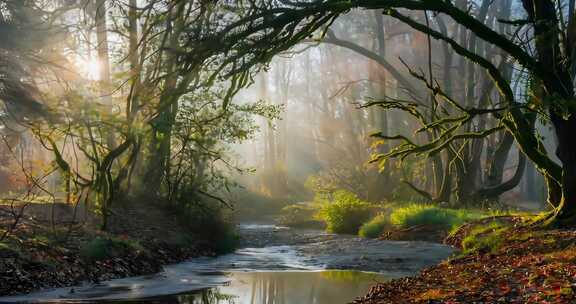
(323, 287)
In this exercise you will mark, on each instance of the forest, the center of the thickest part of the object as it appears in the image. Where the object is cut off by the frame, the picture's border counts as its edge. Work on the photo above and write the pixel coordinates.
(287, 151)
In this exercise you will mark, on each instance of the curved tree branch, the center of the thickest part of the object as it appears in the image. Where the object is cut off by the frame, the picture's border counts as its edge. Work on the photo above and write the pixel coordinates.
(332, 39)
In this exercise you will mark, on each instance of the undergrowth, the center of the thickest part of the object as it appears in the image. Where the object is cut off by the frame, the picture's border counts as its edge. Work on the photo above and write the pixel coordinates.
(374, 227)
(403, 216)
(344, 212)
(414, 215)
(101, 248)
(301, 215)
(485, 238)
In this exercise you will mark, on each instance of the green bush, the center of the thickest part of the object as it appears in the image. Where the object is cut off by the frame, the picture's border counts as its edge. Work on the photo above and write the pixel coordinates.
(414, 215)
(207, 221)
(345, 213)
(375, 227)
(9, 251)
(227, 239)
(102, 248)
(250, 205)
(299, 215)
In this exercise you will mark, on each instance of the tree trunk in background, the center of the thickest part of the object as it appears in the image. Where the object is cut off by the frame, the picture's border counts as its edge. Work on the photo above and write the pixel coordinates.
(104, 63)
(445, 191)
(105, 87)
(460, 94)
(530, 185)
(379, 185)
(498, 162)
(313, 106)
(157, 164)
(134, 104)
(380, 36)
(468, 184)
(270, 147)
(103, 52)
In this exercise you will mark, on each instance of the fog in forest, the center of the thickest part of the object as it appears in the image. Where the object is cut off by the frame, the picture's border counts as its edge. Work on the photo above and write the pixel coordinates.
(324, 137)
(384, 151)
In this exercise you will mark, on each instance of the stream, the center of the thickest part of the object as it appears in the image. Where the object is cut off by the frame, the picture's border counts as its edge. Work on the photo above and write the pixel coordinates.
(273, 265)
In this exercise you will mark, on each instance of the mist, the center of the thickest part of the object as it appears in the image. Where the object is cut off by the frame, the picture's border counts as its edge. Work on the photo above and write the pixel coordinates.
(270, 151)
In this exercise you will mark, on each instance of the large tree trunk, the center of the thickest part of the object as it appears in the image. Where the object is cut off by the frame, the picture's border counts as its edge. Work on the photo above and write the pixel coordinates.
(565, 130)
(157, 164)
(558, 86)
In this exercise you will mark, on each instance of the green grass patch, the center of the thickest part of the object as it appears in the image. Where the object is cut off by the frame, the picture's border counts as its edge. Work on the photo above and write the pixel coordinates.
(414, 215)
(375, 227)
(344, 212)
(407, 215)
(486, 238)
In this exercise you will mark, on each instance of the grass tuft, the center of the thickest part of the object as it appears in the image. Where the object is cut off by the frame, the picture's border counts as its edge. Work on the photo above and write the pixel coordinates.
(375, 227)
(414, 215)
(484, 239)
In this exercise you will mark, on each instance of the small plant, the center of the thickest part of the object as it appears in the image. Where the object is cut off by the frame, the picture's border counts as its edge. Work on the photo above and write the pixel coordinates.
(8, 251)
(102, 248)
(345, 213)
(375, 227)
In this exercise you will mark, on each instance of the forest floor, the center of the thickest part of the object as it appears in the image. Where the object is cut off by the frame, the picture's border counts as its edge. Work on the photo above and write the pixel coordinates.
(521, 265)
(44, 254)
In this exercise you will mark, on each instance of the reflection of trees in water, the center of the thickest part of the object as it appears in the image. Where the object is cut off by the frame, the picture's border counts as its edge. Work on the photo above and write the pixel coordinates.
(270, 289)
(349, 276)
(285, 288)
(312, 288)
(207, 296)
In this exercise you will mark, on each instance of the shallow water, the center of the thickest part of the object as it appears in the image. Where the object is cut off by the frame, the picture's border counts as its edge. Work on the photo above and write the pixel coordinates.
(287, 274)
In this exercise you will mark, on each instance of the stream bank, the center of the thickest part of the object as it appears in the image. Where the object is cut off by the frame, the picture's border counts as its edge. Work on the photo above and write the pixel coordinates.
(41, 254)
(297, 265)
(524, 265)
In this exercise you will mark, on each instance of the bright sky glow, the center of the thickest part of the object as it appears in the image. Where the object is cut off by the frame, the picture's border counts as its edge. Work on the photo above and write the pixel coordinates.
(88, 68)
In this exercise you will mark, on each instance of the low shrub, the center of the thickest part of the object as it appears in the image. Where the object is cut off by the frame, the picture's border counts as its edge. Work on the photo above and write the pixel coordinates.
(375, 227)
(301, 215)
(344, 213)
(227, 239)
(7, 251)
(208, 221)
(250, 205)
(101, 248)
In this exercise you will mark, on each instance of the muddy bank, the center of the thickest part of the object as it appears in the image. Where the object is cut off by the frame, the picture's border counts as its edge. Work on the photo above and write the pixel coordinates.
(529, 266)
(263, 248)
(60, 267)
(328, 268)
(141, 239)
